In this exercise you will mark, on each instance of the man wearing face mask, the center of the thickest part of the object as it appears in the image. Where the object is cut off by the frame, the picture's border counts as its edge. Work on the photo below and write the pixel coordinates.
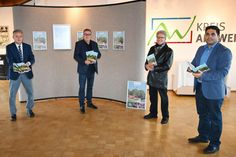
(210, 89)
(86, 68)
(157, 77)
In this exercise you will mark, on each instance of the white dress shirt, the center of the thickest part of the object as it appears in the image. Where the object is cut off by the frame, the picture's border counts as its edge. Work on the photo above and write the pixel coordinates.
(21, 48)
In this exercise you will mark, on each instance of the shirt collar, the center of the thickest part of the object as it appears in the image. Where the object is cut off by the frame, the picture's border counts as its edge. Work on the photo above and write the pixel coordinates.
(206, 46)
(17, 45)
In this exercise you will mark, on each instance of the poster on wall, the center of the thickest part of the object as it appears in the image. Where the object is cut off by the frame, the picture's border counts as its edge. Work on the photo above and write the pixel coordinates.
(4, 36)
(39, 40)
(102, 39)
(79, 36)
(61, 36)
(119, 40)
(136, 95)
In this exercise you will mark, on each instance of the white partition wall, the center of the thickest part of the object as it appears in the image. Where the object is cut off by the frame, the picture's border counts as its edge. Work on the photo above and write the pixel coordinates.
(55, 71)
(185, 22)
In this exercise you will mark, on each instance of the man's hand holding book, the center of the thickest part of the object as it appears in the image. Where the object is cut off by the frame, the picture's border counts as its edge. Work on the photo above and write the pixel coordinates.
(21, 67)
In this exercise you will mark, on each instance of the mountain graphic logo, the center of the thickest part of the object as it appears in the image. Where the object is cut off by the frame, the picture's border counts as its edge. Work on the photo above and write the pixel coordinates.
(174, 36)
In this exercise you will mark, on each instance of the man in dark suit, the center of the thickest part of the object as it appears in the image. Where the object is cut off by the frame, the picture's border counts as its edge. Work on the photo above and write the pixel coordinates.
(157, 77)
(86, 68)
(210, 89)
(19, 52)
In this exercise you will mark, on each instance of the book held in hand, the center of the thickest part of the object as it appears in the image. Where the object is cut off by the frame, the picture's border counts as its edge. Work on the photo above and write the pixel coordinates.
(21, 68)
(200, 68)
(91, 56)
(151, 59)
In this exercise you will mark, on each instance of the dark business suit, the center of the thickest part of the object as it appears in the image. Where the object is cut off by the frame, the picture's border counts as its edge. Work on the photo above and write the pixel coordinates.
(158, 78)
(13, 57)
(210, 92)
(16, 78)
(86, 72)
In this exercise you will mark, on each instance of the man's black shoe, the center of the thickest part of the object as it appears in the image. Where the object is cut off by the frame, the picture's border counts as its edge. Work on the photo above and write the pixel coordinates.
(164, 120)
(82, 109)
(197, 139)
(91, 105)
(31, 114)
(13, 117)
(211, 149)
(149, 116)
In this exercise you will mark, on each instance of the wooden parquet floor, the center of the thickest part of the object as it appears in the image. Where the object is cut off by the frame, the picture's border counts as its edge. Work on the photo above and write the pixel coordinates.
(60, 130)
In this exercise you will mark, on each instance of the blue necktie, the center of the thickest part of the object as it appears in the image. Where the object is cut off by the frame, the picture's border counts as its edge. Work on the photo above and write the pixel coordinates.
(20, 53)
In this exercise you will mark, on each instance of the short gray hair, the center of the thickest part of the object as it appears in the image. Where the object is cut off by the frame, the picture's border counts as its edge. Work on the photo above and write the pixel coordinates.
(161, 32)
(17, 31)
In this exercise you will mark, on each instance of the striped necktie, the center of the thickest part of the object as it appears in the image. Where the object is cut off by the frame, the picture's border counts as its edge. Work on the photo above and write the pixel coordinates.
(20, 53)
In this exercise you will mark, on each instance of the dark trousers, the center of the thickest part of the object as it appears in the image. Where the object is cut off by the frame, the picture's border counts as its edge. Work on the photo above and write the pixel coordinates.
(210, 117)
(154, 100)
(83, 78)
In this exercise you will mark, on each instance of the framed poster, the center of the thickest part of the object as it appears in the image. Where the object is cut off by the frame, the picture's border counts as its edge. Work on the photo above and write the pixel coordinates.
(4, 36)
(61, 36)
(39, 40)
(80, 36)
(102, 39)
(119, 40)
(136, 95)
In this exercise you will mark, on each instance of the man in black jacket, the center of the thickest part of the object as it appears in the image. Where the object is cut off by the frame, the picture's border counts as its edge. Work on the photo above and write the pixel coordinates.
(157, 76)
(86, 68)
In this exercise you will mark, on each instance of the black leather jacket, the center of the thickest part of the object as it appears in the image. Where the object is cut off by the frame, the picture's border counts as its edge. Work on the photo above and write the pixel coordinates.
(158, 77)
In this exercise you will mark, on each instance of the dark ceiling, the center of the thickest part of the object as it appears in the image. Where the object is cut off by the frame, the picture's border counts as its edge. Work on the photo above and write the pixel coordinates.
(7, 3)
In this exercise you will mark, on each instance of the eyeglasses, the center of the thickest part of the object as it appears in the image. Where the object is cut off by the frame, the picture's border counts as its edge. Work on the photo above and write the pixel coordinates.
(87, 34)
(160, 37)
